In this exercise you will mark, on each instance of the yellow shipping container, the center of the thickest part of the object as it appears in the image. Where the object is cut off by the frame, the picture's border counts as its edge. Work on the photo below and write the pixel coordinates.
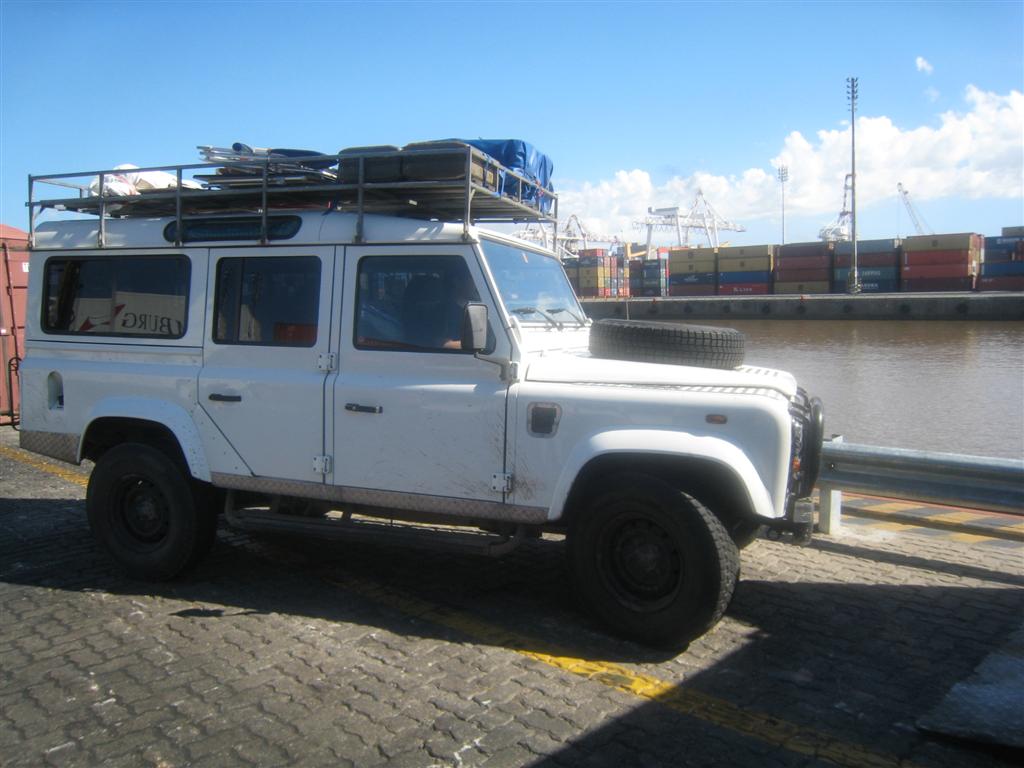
(963, 241)
(683, 254)
(746, 251)
(686, 267)
(745, 264)
(822, 287)
(591, 281)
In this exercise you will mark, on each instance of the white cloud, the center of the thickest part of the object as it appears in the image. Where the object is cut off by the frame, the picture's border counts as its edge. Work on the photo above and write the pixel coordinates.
(923, 65)
(976, 154)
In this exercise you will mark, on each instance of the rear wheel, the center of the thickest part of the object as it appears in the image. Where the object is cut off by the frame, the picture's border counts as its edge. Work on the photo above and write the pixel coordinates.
(651, 562)
(149, 516)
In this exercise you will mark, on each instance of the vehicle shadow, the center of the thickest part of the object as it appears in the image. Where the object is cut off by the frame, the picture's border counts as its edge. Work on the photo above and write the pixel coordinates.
(852, 664)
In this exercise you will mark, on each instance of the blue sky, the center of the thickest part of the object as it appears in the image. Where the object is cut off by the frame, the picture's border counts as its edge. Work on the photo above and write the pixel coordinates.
(637, 103)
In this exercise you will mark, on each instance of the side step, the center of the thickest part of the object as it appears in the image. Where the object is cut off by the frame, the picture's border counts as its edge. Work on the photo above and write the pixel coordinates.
(348, 528)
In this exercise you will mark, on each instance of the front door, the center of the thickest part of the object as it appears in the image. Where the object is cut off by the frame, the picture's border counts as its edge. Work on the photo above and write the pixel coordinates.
(265, 349)
(413, 412)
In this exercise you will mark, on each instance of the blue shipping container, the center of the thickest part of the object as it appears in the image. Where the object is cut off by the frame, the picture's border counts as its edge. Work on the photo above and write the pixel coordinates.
(1002, 269)
(729, 278)
(693, 278)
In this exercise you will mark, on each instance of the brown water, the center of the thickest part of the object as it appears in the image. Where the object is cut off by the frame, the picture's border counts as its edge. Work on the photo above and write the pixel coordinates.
(956, 387)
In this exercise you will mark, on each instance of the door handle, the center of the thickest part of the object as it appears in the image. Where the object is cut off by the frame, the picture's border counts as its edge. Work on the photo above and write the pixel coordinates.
(356, 408)
(219, 398)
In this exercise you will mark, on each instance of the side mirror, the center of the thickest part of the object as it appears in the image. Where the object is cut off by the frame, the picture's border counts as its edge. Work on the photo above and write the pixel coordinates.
(474, 327)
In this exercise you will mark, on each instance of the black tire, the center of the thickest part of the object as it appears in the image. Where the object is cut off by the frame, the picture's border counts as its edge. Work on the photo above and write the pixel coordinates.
(651, 342)
(651, 562)
(147, 513)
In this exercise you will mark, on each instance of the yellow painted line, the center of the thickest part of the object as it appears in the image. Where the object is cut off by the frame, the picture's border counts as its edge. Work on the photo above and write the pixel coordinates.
(889, 506)
(675, 696)
(70, 475)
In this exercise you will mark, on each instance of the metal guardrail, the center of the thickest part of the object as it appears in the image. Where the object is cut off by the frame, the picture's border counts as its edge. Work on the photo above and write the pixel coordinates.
(976, 482)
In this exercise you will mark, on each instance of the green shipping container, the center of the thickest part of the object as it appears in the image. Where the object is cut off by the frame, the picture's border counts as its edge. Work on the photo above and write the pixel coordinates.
(815, 287)
(963, 241)
(747, 251)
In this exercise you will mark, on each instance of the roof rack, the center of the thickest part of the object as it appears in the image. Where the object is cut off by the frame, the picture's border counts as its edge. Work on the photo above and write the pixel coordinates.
(448, 181)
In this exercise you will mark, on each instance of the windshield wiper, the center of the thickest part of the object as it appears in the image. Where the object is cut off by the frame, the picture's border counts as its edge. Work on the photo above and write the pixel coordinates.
(570, 313)
(534, 310)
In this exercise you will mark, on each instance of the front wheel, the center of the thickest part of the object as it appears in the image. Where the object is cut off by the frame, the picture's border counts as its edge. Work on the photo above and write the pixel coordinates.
(651, 562)
(146, 513)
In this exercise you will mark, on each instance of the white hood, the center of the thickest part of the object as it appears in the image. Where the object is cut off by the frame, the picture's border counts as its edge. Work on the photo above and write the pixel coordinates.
(582, 369)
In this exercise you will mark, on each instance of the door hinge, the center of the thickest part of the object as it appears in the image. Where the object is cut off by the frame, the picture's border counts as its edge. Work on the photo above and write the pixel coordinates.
(327, 362)
(322, 465)
(501, 482)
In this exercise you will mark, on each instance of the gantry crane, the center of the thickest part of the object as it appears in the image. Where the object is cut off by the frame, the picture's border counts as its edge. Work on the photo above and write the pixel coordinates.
(839, 228)
(700, 216)
(572, 237)
(915, 216)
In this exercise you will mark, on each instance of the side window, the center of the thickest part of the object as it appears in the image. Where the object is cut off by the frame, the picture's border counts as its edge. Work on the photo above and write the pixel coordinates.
(143, 296)
(271, 301)
(413, 303)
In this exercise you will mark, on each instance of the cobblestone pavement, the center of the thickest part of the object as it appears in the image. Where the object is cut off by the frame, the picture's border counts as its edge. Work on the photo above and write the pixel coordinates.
(274, 653)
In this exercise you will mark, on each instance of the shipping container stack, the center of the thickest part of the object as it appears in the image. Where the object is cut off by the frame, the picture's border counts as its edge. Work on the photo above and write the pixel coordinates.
(803, 268)
(572, 272)
(1003, 267)
(692, 271)
(655, 273)
(595, 278)
(745, 270)
(940, 262)
(878, 266)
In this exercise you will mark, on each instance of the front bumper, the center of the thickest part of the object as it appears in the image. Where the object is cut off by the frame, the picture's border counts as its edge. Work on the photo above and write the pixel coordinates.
(808, 432)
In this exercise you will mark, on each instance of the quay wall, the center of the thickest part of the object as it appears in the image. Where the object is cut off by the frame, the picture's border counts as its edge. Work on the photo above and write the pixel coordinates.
(896, 306)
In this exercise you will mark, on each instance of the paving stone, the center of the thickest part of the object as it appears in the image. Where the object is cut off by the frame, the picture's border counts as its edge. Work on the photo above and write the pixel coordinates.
(322, 655)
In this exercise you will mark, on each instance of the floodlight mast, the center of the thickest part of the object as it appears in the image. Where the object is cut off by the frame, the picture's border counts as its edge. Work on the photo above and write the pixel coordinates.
(853, 279)
(783, 178)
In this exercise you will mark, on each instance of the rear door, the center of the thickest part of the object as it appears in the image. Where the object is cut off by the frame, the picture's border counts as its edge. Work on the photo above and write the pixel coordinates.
(265, 353)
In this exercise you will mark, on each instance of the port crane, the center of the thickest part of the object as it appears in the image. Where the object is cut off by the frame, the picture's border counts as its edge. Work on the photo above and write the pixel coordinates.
(701, 215)
(838, 230)
(915, 216)
(571, 239)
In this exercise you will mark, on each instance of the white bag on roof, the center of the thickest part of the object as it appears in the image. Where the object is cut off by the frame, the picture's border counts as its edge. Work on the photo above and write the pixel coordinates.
(135, 183)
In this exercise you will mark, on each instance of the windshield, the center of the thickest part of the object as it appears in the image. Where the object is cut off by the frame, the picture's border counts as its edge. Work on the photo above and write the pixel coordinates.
(533, 286)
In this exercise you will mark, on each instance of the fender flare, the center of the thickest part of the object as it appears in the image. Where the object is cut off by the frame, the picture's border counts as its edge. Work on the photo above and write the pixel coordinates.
(173, 417)
(662, 443)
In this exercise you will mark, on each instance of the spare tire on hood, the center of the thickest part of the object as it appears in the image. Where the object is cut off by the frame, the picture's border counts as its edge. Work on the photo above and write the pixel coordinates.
(646, 341)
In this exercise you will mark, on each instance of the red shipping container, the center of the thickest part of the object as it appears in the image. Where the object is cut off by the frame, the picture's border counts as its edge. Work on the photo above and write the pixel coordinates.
(593, 252)
(740, 289)
(789, 275)
(13, 294)
(1001, 283)
(923, 284)
(691, 290)
(887, 259)
(932, 258)
(821, 261)
(966, 269)
(803, 249)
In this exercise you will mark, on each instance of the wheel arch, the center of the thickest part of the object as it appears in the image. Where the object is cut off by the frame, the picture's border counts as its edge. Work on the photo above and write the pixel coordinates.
(165, 426)
(715, 472)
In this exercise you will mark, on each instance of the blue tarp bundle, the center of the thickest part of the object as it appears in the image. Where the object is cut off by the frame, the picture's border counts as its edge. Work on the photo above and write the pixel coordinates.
(524, 159)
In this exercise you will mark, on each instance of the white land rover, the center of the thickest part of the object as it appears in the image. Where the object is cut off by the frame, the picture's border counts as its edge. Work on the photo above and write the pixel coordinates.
(279, 350)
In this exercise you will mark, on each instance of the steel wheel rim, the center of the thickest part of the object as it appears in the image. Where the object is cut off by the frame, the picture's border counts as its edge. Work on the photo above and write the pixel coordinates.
(641, 563)
(142, 514)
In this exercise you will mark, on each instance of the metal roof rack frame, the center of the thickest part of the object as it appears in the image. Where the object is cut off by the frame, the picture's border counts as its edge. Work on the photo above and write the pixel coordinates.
(262, 184)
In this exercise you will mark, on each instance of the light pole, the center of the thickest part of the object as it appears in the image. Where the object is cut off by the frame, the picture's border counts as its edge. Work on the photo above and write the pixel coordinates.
(853, 280)
(783, 177)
